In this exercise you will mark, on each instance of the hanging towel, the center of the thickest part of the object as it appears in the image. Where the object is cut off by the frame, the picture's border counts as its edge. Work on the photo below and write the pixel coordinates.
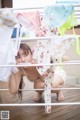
(6, 52)
(8, 48)
(30, 20)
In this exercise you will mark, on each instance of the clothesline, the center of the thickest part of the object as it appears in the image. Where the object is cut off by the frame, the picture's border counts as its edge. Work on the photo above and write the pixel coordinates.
(46, 38)
(41, 104)
(53, 64)
(73, 88)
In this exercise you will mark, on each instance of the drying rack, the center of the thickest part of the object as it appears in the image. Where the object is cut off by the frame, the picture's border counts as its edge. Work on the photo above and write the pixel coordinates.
(47, 103)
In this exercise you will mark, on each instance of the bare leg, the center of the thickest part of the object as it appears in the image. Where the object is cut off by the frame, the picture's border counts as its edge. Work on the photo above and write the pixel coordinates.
(57, 83)
(14, 82)
(38, 84)
(60, 96)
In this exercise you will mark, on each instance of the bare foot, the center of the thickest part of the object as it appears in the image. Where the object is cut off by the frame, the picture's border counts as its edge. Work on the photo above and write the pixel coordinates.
(60, 96)
(37, 96)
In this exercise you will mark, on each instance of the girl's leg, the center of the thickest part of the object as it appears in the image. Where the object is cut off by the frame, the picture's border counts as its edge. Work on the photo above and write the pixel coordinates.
(14, 82)
(38, 84)
(57, 83)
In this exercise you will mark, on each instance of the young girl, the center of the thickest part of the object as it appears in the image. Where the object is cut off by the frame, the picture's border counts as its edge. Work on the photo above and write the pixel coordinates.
(25, 55)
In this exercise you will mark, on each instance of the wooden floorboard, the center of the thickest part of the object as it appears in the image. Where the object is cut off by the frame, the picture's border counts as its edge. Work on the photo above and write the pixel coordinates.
(77, 117)
(65, 112)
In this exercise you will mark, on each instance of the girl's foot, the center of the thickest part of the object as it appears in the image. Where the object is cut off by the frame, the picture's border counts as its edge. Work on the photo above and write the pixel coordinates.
(60, 96)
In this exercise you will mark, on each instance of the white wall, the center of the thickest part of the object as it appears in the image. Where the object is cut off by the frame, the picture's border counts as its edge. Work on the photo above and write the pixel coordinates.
(31, 3)
(0, 3)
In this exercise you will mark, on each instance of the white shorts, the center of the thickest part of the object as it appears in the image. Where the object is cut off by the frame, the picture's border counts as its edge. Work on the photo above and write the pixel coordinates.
(60, 72)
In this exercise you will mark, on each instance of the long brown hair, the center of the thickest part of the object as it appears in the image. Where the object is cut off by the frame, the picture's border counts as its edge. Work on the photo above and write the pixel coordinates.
(26, 49)
(20, 93)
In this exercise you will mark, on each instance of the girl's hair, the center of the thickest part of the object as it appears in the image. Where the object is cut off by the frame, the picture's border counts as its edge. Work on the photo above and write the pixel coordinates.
(26, 49)
(20, 89)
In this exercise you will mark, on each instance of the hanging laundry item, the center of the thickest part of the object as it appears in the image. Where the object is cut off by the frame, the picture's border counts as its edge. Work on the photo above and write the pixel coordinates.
(56, 16)
(31, 21)
(42, 54)
(41, 51)
(70, 23)
(59, 45)
(7, 17)
(8, 48)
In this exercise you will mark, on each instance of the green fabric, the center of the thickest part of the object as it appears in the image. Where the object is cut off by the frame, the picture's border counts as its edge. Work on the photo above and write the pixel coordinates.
(70, 23)
(77, 42)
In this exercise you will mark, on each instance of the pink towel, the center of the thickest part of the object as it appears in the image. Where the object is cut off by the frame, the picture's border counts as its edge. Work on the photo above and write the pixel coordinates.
(29, 19)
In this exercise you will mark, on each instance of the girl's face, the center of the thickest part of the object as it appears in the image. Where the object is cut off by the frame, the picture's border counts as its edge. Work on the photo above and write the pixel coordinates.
(23, 57)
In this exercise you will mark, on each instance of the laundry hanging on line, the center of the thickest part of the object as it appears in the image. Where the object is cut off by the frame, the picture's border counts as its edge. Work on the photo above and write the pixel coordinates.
(8, 48)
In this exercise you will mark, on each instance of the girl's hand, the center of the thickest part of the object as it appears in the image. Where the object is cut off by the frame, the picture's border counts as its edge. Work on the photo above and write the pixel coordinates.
(18, 60)
(33, 61)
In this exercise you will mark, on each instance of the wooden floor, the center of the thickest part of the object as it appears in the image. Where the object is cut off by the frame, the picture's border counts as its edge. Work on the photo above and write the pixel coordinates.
(66, 112)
